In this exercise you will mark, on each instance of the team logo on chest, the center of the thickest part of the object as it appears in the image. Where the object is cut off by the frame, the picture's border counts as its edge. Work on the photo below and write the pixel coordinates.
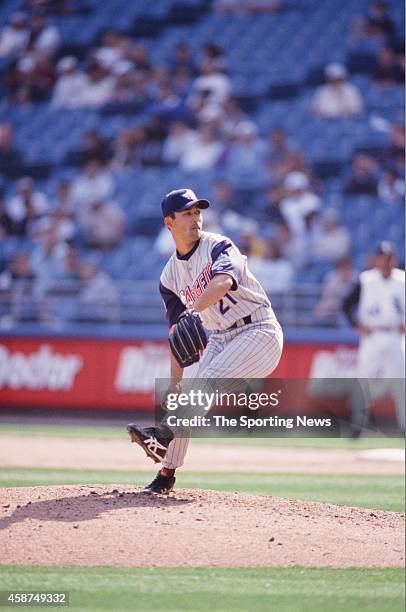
(190, 293)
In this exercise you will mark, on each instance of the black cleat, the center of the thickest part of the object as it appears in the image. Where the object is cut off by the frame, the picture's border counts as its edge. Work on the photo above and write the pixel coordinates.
(154, 440)
(161, 485)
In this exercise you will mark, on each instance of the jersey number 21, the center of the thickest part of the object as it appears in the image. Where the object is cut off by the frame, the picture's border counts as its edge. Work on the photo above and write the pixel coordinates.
(225, 308)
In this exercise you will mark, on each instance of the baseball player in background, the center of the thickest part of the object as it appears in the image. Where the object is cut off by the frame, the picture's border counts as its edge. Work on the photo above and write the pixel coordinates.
(207, 280)
(376, 309)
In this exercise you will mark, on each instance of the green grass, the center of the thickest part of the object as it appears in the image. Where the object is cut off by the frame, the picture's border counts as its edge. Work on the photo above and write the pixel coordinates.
(385, 492)
(293, 589)
(117, 432)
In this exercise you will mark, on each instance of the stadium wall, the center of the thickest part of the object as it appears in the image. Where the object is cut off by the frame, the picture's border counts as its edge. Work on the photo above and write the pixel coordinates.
(117, 372)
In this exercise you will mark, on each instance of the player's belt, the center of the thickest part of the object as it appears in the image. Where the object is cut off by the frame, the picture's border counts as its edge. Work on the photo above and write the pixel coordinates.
(244, 321)
(384, 328)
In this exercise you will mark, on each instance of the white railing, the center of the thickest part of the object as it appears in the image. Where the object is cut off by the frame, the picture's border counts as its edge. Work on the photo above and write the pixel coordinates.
(131, 302)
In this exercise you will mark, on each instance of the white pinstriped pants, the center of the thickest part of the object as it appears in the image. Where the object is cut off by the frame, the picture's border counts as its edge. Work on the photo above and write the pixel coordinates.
(251, 351)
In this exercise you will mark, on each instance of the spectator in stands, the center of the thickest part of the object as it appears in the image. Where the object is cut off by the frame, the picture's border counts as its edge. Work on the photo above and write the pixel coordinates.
(270, 211)
(32, 83)
(330, 240)
(113, 49)
(363, 176)
(204, 154)
(70, 269)
(390, 68)
(6, 224)
(180, 137)
(247, 153)
(139, 55)
(394, 154)
(10, 157)
(128, 148)
(94, 148)
(58, 222)
(63, 200)
(14, 36)
(337, 284)
(282, 156)
(300, 206)
(126, 94)
(293, 247)
(212, 84)
(98, 291)
(181, 83)
(337, 98)
(98, 88)
(376, 23)
(103, 223)
(167, 103)
(182, 60)
(225, 198)
(274, 272)
(45, 71)
(18, 271)
(26, 206)
(44, 37)
(49, 253)
(231, 116)
(391, 188)
(215, 55)
(95, 183)
(70, 84)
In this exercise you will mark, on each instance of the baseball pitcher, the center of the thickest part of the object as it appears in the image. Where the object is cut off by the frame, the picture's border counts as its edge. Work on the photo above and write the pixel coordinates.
(206, 284)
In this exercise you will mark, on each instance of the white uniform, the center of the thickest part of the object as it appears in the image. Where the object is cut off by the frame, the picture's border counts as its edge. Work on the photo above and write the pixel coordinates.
(246, 339)
(381, 354)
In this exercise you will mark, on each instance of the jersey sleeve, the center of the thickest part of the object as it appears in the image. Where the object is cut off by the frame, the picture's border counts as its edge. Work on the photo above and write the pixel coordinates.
(173, 305)
(350, 304)
(226, 259)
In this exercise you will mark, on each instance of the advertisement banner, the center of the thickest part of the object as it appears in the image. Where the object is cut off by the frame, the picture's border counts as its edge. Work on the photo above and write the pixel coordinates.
(114, 374)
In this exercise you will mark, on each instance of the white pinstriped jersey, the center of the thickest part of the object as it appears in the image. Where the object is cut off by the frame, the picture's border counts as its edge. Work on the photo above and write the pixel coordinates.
(184, 278)
(382, 300)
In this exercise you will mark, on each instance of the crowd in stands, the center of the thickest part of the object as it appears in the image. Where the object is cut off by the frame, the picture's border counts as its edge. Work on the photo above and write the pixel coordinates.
(190, 120)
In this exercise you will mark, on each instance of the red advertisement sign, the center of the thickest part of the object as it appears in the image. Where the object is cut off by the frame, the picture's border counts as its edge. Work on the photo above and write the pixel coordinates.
(114, 374)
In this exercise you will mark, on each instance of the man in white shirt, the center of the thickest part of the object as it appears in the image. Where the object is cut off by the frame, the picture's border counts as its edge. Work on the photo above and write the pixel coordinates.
(69, 86)
(44, 37)
(94, 184)
(27, 205)
(98, 88)
(337, 98)
(104, 224)
(330, 241)
(301, 204)
(204, 153)
(274, 272)
(215, 83)
(14, 37)
(180, 138)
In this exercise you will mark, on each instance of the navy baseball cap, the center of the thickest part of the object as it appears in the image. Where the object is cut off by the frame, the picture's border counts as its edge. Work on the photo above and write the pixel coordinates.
(385, 248)
(180, 200)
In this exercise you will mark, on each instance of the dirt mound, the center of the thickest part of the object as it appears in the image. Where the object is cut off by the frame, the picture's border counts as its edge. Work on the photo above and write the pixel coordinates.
(120, 526)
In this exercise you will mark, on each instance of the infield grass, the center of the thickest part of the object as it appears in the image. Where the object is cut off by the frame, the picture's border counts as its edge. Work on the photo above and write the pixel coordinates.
(118, 432)
(385, 492)
(293, 589)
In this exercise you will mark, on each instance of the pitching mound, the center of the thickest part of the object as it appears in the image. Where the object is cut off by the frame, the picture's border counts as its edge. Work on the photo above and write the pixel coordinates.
(120, 526)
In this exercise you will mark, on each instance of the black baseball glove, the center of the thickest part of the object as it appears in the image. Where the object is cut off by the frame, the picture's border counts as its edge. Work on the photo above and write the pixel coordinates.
(188, 338)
